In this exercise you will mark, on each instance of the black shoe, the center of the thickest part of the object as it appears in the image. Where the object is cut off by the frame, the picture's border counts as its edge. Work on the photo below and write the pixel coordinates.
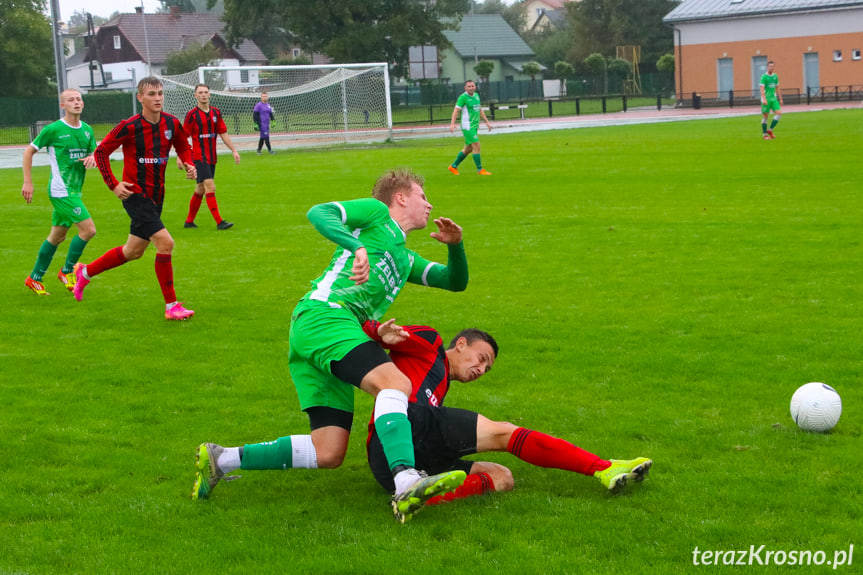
(224, 225)
(189, 225)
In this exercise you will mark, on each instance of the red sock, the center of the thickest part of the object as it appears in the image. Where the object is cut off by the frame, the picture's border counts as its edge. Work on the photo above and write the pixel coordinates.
(194, 204)
(475, 484)
(214, 207)
(165, 275)
(547, 451)
(109, 260)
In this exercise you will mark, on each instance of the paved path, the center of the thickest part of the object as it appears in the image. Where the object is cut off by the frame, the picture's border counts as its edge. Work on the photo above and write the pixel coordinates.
(10, 156)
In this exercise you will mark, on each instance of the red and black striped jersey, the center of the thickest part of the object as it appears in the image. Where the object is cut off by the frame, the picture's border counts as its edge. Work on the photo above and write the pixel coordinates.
(421, 357)
(204, 127)
(146, 149)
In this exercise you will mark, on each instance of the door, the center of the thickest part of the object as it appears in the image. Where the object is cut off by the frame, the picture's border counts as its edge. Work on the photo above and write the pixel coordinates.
(810, 73)
(725, 74)
(759, 68)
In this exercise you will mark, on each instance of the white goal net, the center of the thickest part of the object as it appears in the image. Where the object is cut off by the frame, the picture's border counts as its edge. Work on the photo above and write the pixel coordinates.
(346, 103)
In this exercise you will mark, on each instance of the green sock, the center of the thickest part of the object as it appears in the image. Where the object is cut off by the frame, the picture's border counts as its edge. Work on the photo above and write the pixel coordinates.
(773, 123)
(478, 161)
(46, 254)
(458, 159)
(76, 248)
(394, 431)
(268, 455)
(763, 127)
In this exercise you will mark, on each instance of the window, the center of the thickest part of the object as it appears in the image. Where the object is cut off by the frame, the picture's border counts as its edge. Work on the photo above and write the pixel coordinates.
(108, 76)
(295, 52)
(837, 55)
(855, 54)
(244, 76)
(423, 62)
(116, 42)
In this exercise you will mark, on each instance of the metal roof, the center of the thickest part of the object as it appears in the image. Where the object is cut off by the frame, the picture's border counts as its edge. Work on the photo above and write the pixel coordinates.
(491, 35)
(694, 10)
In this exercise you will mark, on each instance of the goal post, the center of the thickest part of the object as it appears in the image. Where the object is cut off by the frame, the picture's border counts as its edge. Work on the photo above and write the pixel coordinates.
(336, 103)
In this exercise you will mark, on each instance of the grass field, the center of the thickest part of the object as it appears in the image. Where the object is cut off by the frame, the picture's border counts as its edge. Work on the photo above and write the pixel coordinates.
(656, 290)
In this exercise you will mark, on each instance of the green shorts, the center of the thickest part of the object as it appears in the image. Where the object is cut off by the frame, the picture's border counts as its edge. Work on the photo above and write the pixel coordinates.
(470, 136)
(320, 335)
(772, 104)
(69, 210)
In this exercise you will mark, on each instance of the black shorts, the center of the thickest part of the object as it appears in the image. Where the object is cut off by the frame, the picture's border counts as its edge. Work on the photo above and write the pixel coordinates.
(441, 436)
(205, 171)
(146, 216)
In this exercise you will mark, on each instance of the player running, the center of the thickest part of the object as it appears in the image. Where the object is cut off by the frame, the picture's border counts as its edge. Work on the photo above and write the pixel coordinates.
(70, 144)
(203, 123)
(146, 139)
(443, 435)
(771, 99)
(469, 107)
(329, 353)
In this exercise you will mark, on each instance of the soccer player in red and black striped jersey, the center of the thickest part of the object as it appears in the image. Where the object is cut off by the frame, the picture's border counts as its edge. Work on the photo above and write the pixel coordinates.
(203, 123)
(443, 435)
(146, 140)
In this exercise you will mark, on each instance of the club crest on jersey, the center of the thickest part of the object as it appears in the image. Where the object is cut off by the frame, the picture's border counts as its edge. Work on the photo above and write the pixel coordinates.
(169, 134)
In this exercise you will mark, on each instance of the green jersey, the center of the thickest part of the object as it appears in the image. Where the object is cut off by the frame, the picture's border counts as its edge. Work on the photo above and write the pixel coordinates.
(67, 146)
(367, 224)
(770, 83)
(470, 108)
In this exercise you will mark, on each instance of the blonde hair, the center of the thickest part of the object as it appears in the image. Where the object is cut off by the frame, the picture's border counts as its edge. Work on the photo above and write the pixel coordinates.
(394, 181)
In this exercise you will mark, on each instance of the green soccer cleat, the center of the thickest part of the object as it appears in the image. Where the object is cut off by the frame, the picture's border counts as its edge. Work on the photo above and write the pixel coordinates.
(208, 474)
(411, 501)
(621, 472)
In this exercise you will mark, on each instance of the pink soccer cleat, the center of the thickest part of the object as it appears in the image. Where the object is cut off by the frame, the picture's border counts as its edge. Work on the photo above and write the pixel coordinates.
(80, 281)
(178, 312)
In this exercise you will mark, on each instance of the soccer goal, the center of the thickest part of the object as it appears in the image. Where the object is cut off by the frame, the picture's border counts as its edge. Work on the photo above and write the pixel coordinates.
(344, 103)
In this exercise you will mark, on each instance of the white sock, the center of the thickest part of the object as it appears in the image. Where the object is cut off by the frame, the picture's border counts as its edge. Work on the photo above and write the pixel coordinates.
(304, 455)
(229, 459)
(391, 401)
(84, 273)
(405, 479)
(168, 306)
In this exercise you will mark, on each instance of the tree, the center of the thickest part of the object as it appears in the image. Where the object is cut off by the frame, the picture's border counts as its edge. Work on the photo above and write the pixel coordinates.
(26, 49)
(619, 70)
(483, 70)
(665, 66)
(532, 69)
(190, 59)
(355, 31)
(599, 70)
(563, 71)
(185, 6)
(550, 46)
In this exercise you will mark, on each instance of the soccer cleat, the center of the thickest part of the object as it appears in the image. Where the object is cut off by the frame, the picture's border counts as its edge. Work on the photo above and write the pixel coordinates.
(259, 152)
(177, 311)
(36, 286)
(224, 225)
(765, 137)
(621, 472)
(411, 501)
(453, 170)
(80, 281)
(190, 225)
(272, 153)
(208, 473)
(67, 280)
(770, 133)
(484, 172)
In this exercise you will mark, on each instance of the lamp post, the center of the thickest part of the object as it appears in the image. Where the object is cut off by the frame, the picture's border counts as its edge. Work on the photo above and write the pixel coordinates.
(59, 57)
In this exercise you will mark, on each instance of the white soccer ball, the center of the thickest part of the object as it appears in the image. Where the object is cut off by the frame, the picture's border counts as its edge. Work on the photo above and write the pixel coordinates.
(816, 407)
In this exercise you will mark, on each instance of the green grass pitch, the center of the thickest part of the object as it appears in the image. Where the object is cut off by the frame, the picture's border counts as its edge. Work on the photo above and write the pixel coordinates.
(656, 290)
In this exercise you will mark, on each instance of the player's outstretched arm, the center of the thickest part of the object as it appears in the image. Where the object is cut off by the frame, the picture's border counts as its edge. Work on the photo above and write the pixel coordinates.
(88, 161)
(448, 232)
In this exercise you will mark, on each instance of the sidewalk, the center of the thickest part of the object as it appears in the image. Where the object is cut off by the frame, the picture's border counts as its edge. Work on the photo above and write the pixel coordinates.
(11, 156)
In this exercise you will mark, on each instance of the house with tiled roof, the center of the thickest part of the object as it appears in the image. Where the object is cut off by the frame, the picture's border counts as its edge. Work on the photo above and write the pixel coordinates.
(484, 37)
(535, 9)
(722, 46)
(136, 45)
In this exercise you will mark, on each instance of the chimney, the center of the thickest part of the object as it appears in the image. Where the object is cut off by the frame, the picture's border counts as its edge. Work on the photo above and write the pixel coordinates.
(175, 12)
(139, 9)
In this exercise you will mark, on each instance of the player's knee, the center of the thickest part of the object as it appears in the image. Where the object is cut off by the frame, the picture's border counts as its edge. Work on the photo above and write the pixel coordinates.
(502, 478)
(330, 459)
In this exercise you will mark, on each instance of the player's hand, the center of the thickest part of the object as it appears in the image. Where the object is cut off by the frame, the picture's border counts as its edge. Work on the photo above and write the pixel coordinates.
(360, 269)
(257, 129)
(191, 171)
(236, 157)
(448, 232)
(89, 162)
(489, 126)
(451, 128)
(180, 164)
(27, 192)
(392, 334)
(123, 190)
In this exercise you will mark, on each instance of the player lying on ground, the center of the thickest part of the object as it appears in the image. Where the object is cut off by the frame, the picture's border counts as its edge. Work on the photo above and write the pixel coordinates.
(443, 435)
(329, 353)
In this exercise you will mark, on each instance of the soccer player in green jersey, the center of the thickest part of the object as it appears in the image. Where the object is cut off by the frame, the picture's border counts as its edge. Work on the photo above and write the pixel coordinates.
(771, 99)
(329, 353)
(471, 111)
(70, 143)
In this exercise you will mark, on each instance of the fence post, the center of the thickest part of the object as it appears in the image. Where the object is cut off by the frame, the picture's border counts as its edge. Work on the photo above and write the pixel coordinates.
(431, 116)
(731, 98)
(836, 91)
(577, 107)
(808, 96)
(658, 103)
(491, 109)
(603, 104)
(550, 113)
(624, 102)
